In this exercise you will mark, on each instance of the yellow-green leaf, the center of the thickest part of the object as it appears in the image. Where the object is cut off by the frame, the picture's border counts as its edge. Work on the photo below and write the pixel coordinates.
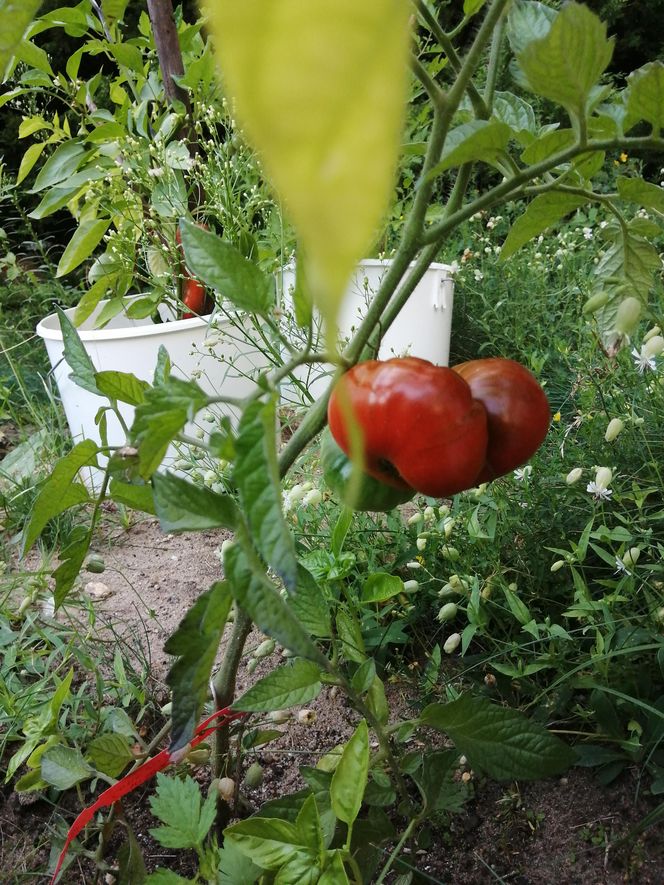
(320, 90)
(85, 240)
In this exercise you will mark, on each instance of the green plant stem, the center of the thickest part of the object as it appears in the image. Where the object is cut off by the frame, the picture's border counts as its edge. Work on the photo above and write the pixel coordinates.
(513, 187)
(446, 44)
(494, 61)
(397, 848)
(433, 90)
(223, 690)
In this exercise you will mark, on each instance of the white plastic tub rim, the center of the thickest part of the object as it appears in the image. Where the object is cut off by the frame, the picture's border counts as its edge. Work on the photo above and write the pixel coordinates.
(119, 327)
(210, 350)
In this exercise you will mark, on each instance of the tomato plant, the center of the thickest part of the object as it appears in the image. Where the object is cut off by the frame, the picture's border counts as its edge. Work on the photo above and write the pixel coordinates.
(440, 430)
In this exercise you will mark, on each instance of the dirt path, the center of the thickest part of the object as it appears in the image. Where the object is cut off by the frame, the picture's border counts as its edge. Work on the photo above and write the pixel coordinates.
(555, 831)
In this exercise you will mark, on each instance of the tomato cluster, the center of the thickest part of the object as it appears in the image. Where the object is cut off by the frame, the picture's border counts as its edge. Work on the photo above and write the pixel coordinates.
(438, 430)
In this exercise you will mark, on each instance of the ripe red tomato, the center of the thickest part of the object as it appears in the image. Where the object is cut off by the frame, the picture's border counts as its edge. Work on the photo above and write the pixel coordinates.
(194, 297)
(517, 411)
(421, 426)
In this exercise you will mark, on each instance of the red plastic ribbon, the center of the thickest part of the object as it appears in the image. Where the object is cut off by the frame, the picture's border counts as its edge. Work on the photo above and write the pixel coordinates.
(139, 776)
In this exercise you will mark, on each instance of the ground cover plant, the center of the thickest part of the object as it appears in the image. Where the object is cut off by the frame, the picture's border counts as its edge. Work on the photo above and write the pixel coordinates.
(542, 579)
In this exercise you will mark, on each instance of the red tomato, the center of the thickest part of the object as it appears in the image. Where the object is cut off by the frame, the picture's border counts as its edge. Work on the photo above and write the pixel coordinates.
(421, 426)
(517, 410)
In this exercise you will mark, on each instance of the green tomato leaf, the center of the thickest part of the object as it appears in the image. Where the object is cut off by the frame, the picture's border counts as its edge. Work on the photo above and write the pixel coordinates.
(15, 18)
(310, 605)
(110, 754)
(257, 477)
(184, 507)
(177, 804)
(350, 776)
(258, 596)
(138, 497)
(121, 386)
(628, 265)
(566, 63)
(195, 642)
(478, 140)
(85, 240)
(636, 190)
(516, 113)
(547, 145)
(499, 741)
(63, 767)
(294, 683)
(222, 267)
(542, 212)
(645, 96)
(166, 409)
(333, 153)
(71, 561)
(528, 21)
(76, 356)
(59, 492)
(269, 842)
(471, 7)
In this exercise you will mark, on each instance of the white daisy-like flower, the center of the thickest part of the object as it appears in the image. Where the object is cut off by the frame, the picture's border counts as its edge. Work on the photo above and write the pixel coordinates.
(601, 493)
(621, 568)
(523, 473)
(643, 362)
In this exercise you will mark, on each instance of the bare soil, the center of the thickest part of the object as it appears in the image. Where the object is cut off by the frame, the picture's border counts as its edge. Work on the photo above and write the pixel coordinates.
(561, 830)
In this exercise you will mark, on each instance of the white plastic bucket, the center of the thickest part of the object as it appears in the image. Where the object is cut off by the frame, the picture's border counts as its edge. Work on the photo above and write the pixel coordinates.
(422, 327)
(217, 357)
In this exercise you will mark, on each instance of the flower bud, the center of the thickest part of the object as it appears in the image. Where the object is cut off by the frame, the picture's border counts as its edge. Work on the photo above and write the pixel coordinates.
(574, 476)
(429, 513)
(450, 553)
(627, 317)
(452, 643)
(653, 347)
(415, 518)
(411, 586)
(613, 429)
(421, 543)
(251, 665)
(254, 776)
(312, 498)
(557, 565)
(447, 612)
(414, 564)
(448, 526)
(599, 299)
(603, 477)
(631, 557)
(279, 716)
(226, 545)
(443, 510)
(651, 333)
(265, 649)
(226, 787)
